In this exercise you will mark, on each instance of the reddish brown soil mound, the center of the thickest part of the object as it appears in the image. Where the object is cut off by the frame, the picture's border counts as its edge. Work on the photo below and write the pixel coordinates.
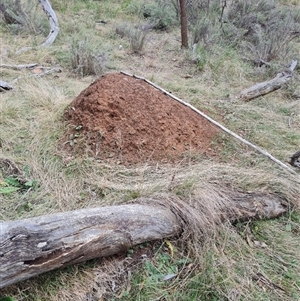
(125, 119)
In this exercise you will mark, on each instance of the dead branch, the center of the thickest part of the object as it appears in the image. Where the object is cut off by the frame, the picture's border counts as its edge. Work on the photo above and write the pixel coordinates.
(18, 67)
(54, 28)
(268, 86)
(36, 245)
(53, 22)
(260, 150)
(4, 86)
(49, 71)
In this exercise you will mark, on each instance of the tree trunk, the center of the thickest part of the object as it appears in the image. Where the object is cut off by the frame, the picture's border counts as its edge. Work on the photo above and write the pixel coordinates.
(33, 246)
(183, 20)
(36, 245)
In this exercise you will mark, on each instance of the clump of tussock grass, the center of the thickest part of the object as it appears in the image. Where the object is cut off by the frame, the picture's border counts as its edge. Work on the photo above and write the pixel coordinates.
(25, 17)
(233, 262)
(86, 58)
(135, 34)
(29, 138)
(267, 29)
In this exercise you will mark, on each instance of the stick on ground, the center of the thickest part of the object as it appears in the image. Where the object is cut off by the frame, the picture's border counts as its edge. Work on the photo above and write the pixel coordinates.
(270, 85)
(223, 128)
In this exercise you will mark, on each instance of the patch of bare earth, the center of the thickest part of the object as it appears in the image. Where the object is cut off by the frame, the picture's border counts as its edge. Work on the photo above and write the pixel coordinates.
(123, 119)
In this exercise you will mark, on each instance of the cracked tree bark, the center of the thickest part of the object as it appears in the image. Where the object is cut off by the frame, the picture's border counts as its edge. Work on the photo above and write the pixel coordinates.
(33, 246)
(36, 245)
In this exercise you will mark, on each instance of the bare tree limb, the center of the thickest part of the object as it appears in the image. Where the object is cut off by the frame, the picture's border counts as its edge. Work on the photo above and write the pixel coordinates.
(33, 246)
(268, 86)
(259, 149)
(4, 86)
(18, 67)
(53, 22)
(54, 28)
(49, 71)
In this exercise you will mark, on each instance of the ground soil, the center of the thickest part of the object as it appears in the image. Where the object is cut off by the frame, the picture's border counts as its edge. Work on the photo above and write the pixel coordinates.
(126, 120)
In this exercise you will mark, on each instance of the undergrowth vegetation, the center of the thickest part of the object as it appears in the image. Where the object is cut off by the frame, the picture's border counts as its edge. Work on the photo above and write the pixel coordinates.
(231, 48)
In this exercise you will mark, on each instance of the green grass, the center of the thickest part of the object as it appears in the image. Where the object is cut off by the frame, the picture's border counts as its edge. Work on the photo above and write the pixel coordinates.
(227, 266)
(224, 266)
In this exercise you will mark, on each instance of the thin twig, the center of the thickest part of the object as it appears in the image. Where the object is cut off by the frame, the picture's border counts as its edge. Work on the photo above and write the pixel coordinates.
(55, 69)
(262, 151)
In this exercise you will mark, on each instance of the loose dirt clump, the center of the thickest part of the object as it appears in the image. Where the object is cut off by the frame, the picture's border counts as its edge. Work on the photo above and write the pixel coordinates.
(123, 119)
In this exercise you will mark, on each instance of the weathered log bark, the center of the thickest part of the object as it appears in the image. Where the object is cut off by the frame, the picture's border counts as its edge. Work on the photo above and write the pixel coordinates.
(54, 28)
(4, 86)
(18, 67)
(33, 246)
(268, 86)
(36, 245)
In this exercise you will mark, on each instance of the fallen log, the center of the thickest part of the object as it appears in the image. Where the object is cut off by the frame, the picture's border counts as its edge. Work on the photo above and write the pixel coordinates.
(33, 246)
(268, 86)
(36, 245)
(43, 73)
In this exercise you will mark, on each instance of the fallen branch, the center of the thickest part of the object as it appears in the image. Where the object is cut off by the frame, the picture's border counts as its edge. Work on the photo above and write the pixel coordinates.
(4, 86)
(18, 67)
(268, 86)
(46, 72)
(53, 22)
(54, 28)
(33, 246)
(262, 151)
(36, 245)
